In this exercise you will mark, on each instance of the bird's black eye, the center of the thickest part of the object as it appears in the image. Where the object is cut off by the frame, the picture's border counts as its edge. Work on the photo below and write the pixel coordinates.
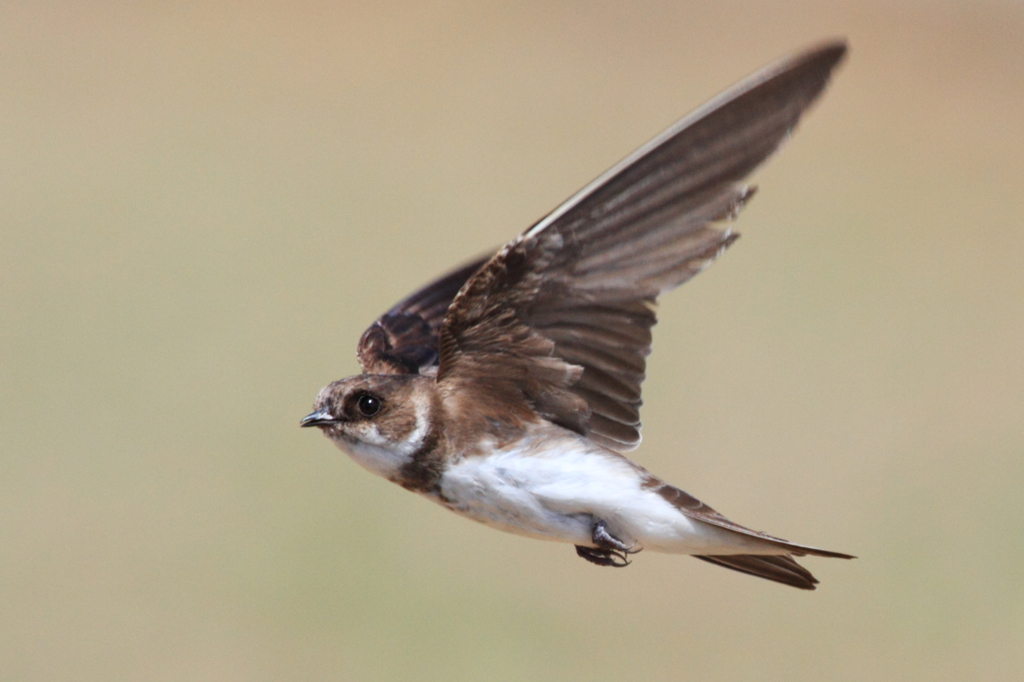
(368, 405)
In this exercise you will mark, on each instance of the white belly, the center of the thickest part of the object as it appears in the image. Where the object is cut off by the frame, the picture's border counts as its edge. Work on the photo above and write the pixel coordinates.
(557, 488)
(511, 491)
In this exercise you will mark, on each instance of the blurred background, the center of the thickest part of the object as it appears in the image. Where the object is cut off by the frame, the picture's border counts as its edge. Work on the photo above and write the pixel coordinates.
(202, 205)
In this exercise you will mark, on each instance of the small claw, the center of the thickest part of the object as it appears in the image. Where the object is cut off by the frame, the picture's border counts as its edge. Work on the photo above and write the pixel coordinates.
(610, 550)
(603, 557)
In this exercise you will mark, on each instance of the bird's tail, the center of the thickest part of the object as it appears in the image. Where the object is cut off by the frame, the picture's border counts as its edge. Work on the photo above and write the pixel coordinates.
(780, 568)
(769, 557)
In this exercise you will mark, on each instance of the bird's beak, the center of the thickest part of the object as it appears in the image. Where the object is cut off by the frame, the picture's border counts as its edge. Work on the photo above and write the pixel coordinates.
(318, 418)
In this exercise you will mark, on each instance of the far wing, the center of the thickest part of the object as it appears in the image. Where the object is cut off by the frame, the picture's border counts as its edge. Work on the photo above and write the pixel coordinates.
(404, 340)
(559, 321)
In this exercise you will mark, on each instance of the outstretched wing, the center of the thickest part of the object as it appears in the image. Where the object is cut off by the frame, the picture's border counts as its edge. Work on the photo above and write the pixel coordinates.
(559, 321)
(404, 340)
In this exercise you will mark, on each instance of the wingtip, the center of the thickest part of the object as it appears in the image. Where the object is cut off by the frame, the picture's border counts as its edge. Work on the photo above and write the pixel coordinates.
(804, 550)
(820, 59)
(829, 51)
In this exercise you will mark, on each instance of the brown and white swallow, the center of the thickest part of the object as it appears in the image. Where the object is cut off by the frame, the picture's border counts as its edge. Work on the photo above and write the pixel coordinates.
(508, 390)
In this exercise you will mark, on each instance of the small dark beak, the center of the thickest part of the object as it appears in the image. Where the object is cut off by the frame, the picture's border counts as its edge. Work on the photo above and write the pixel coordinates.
(318, 418)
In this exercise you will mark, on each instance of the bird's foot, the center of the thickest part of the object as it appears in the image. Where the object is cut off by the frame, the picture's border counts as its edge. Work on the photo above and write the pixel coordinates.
(602, 557)
(610, 550)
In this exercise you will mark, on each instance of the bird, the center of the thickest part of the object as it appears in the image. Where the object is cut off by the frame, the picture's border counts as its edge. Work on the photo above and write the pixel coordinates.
(508, 390)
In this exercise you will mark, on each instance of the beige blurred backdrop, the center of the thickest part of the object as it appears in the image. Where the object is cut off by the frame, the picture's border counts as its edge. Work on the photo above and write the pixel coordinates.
(202, 205)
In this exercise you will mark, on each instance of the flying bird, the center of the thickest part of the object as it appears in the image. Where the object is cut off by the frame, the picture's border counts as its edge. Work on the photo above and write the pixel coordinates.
(508, 390)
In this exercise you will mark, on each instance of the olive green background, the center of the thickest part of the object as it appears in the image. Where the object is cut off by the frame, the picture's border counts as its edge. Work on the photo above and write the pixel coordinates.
(203, 204)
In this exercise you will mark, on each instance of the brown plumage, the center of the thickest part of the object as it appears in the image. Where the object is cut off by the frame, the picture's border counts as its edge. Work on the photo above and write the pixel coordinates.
(547, 339)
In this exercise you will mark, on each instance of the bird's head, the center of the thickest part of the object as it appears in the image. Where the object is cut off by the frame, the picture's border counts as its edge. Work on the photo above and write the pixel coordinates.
(380, 420)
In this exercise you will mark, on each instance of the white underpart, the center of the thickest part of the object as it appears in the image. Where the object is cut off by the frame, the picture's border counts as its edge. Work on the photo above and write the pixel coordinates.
(372, 452)
(557, 488)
